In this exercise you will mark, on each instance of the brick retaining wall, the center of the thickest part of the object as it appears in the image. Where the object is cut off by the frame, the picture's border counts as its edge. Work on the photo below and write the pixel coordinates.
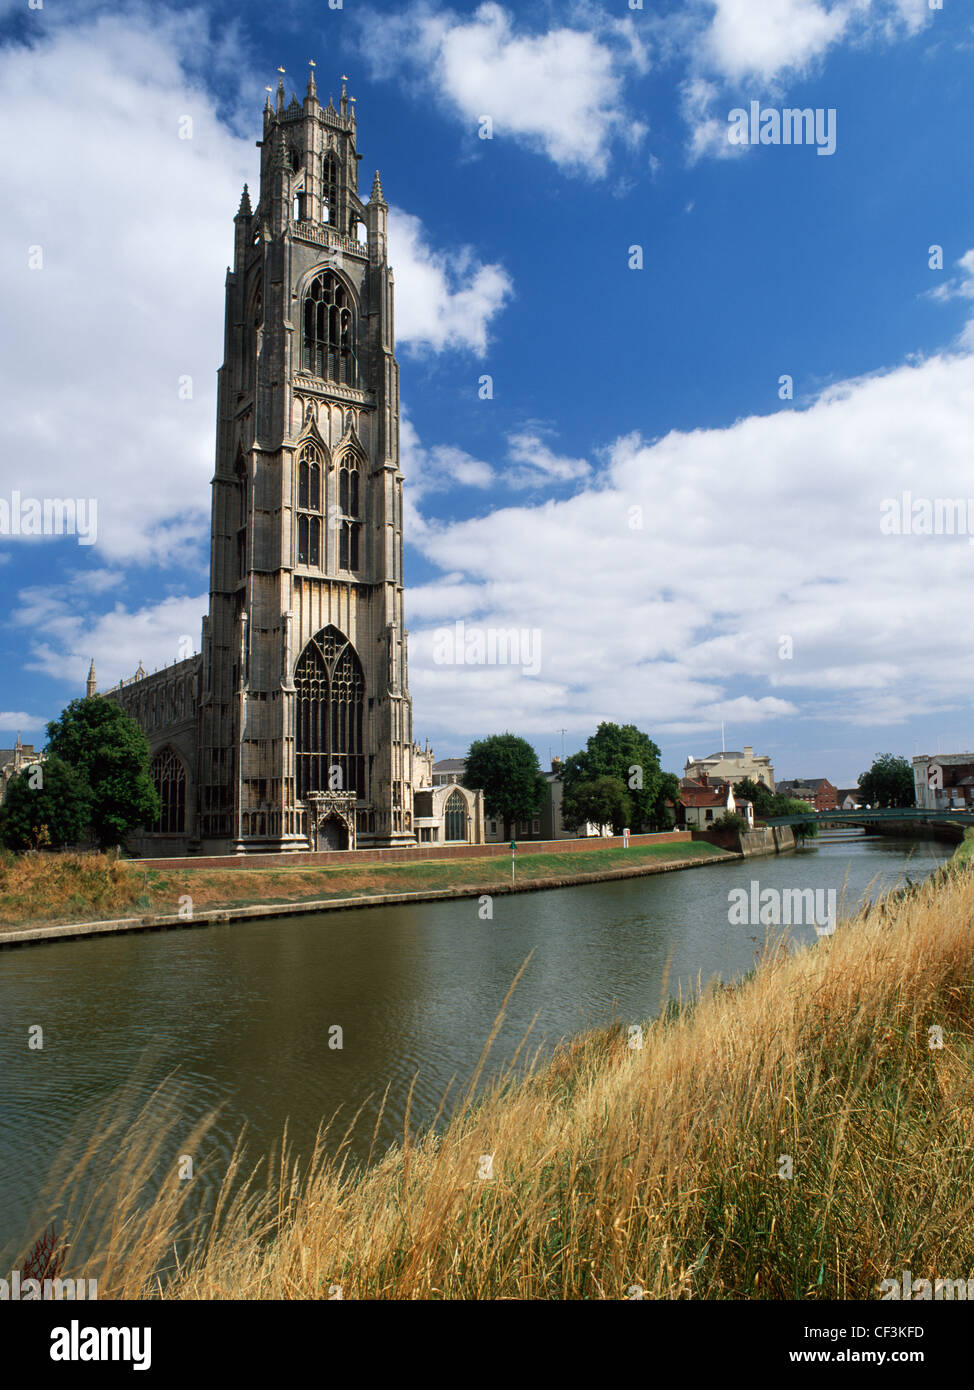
(415, 855)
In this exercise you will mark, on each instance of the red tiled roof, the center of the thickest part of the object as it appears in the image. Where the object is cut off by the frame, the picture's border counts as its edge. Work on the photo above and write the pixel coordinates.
(703, 796)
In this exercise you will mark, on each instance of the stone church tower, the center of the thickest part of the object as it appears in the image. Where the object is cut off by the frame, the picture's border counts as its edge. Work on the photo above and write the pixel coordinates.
(293, 729)
(305, 715)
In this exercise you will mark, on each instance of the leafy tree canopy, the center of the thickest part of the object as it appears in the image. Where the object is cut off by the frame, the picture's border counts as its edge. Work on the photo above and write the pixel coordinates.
(627, 754)
(760, 797)
(788, 806)
(889, 782)
(110, 752)
(47, 804)
(602, 801)
(506, 768)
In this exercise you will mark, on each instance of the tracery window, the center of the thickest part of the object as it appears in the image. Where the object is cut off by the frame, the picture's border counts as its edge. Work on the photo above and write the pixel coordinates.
(309, 500)
(329, 752)
(455, 817)
(348, 503)
(329, 330)
(169, 777)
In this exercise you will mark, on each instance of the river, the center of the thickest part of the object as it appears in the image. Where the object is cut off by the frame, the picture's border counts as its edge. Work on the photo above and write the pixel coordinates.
(244, 1013)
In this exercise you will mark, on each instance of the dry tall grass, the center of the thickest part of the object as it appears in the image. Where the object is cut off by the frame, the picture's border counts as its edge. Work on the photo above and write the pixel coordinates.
(616, 1169)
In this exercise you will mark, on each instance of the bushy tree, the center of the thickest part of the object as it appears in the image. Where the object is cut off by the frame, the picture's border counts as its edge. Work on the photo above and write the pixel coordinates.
(664, 816)
(111, 754)
(47, 804)
(788, 806)
(506, 768)
(760, 796)
(627, 754)
(889, 782)
(602, 801)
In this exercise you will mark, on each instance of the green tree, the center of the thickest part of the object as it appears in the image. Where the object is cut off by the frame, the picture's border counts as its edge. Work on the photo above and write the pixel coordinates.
(889, 782)
(111, 754)
(760, 796)
(602, 801)
(664, 817)
(506, 768)
(46, 804)
(626, 753)
(788, 806)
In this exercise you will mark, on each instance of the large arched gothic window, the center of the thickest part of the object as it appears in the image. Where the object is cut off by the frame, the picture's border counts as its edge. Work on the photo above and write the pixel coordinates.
(455, 817)
(348, 503)
(329, 750)
(169, 776)
(329, 330)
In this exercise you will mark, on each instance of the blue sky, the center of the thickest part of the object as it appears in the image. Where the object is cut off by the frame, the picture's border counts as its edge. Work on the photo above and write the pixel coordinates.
(636, 492)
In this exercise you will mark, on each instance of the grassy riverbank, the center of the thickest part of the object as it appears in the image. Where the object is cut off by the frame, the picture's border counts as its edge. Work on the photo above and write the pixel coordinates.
(661, 1169)
(85, 888)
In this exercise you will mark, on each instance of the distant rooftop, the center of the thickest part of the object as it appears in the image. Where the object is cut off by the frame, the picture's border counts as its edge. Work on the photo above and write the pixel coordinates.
(944, 758)
(450, 765)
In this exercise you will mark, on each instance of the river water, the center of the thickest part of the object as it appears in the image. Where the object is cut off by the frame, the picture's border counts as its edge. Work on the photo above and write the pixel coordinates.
(243, 1014)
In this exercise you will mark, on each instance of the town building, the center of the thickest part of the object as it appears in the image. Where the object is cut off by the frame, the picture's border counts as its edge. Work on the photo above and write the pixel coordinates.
(850, 799)
(546, 825)
(292, 728)
(732, 767)
(944, 782)
(448, 772)
(701, 804)
(817, 790)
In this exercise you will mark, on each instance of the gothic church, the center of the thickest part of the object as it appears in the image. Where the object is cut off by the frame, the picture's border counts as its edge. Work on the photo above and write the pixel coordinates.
(293, 728)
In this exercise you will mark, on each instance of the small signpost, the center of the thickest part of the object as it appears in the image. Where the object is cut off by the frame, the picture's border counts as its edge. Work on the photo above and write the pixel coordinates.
(513, 852)
(625, 838)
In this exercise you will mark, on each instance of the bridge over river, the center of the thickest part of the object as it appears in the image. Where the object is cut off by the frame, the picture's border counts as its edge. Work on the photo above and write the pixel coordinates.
(897, 815)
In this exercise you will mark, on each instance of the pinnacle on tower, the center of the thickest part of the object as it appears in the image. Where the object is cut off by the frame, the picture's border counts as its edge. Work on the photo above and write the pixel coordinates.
(312, 89)
(377, 191)
(280, 91)
(92, 680)
(245, 210)
(281, 157)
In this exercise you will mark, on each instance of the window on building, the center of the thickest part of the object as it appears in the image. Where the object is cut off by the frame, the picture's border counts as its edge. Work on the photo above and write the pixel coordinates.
(329, 189)
(348, 547)
(309, 540)
(493, 827)
(329, 330)
(309, 500)
(169, 777)
(535, 827)
(455, 817)
(349, 506)
(309, 479)
(329, 751)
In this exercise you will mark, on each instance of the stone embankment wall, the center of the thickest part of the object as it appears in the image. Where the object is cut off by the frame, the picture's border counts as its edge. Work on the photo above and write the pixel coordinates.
(766, 840)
